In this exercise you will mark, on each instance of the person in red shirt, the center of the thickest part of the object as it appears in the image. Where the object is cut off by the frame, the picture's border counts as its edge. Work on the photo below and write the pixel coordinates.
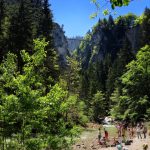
(106, 134)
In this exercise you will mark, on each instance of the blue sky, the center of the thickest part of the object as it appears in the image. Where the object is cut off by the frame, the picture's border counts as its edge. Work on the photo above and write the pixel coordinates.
(74, 14)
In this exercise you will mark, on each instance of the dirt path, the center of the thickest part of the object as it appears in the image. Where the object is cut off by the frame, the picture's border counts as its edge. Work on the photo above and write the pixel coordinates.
(93, 145)
(136, 145)
(89, 141)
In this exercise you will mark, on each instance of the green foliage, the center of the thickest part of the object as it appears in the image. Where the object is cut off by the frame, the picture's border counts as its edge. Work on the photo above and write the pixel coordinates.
(106, 12)
(70, 80)
(94, 52)
(87, 37)
(104, 57)
(92, 16)
(31, 112)
(124, 56)
(2, 33)
(96, 3)
(118, 104)
(134, 102)
(99, 105)
(119, 3)
(127, 21)
(114, 4)
(145, 31)
(20, 29)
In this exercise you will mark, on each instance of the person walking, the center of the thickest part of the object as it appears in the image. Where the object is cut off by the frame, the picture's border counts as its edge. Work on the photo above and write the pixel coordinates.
(106, 134)
(118, 126)
(144, 131)
(99, 135)
(132, 132)
(124, 133)
(138, 131)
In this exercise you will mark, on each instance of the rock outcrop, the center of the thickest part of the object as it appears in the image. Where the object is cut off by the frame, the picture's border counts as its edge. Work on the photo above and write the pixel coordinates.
(61, 43)
(105, 40)
(73, 43)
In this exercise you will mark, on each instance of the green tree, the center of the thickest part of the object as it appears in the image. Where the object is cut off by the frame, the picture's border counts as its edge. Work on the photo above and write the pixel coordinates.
(145, 30)
(33, 117)
(20, 30)
(71, 75)
(99, 105)
(111, 22)
(46, 23)
(136, 85)
(2, 9)
(124, 56)
(70, 81)
(114, 3)
(45, 30)
(117, 103)
(2, 15)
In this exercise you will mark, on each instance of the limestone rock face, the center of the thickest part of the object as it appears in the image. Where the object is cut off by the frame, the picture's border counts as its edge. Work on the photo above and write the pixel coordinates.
(60, 42)
(64, 45)
(73, 43)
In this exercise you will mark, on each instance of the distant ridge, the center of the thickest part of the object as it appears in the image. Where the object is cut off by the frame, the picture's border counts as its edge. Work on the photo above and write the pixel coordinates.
(74, 42)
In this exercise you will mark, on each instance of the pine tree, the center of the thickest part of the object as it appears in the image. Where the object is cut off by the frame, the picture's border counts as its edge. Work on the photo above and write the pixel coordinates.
(99, 105)
(47, 21)
(120, 28)
(124, 56)
(84, 93)
(111, 22)
(145, 28)
(45, 30)
(20, 31)
(2, 14)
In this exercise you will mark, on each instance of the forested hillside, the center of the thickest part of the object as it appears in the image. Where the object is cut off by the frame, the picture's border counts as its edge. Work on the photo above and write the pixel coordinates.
(104, 54)
(48, 94)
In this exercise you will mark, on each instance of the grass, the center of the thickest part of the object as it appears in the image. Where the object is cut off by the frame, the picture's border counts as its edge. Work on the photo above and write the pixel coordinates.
(90, 133)
(112, 131)
(148, 125)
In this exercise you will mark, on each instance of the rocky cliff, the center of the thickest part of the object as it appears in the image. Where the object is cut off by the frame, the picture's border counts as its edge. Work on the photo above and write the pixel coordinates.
(73, 43)
(60, 42)
(108, 38)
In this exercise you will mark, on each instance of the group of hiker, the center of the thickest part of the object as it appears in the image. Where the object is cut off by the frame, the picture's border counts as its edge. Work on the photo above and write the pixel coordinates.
(127, 131)
(125, 134)
(141, 129)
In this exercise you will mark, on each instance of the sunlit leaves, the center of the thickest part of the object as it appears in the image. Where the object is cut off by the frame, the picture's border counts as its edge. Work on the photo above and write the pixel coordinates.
(92, 16)
(99, 105)
(96, 3)
(106, 12)
(139, 67)
(25, 102)
(113, 3)
(40, 53)
(137, 81)
(119, 3)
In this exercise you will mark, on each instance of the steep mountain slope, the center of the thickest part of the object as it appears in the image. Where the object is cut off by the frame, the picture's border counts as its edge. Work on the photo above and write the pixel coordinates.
(107, 38)
(105, 51)
(73, 43)
(61, 43)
